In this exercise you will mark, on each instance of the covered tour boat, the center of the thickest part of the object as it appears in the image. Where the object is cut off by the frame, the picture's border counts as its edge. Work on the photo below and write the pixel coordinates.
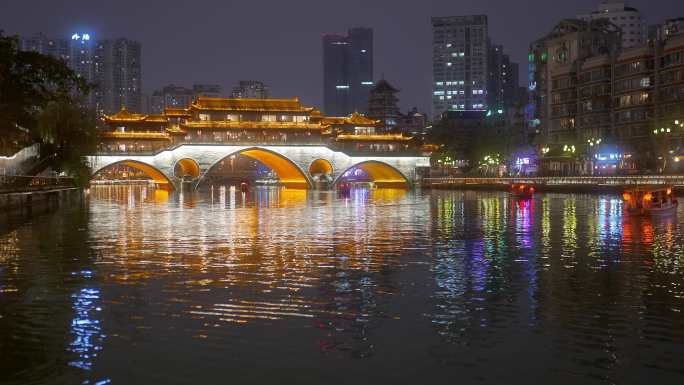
(650, 200)
(521, 190)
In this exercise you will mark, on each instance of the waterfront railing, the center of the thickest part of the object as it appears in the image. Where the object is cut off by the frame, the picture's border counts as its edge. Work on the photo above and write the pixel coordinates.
(24, 183)
(631, 180)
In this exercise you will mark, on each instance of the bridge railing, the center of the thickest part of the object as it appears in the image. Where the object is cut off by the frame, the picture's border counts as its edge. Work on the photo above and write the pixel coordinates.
(103, 151)
(23, 183)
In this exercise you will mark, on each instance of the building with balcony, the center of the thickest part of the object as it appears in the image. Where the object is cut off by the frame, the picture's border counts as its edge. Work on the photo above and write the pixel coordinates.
(586, 105)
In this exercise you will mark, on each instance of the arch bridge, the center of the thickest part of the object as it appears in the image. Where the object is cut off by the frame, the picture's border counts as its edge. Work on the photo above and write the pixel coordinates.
(296, 166)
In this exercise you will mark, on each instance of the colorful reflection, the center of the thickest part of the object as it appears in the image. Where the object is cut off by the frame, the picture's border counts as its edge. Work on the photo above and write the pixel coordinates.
(472, 284)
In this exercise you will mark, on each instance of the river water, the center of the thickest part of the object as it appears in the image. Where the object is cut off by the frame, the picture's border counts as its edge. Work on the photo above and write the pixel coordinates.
(137, 286)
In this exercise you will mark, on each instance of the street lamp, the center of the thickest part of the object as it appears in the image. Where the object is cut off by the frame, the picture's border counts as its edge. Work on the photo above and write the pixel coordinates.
(593, 142)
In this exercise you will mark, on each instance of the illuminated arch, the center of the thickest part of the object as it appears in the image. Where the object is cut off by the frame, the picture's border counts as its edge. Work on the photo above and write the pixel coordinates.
(157, 176)
(186, 167)
(289, 174)
(320, 167)
(382, 174)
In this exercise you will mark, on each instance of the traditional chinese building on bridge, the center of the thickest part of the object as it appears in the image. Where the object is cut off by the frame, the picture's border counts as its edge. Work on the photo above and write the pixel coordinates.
(246, 121)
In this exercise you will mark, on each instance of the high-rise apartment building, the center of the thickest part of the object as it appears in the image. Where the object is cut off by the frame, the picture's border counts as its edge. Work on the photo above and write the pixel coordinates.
(120, 78)
(252, 89)
(171, 96)
(347, 71)
(459, 63)
(207, 90)
(632, 23)
(113, 67)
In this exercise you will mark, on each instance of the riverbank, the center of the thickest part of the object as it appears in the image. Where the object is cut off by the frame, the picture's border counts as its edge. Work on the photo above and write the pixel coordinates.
(38, 199)
(607, 184)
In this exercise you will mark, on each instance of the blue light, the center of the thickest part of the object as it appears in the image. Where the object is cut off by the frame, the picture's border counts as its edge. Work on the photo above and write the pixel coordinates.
(82, 37)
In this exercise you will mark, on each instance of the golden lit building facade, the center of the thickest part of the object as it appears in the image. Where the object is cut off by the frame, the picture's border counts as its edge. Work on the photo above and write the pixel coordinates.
(246, 122)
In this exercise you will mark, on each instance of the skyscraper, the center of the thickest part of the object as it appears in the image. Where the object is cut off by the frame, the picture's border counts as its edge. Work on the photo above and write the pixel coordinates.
(631, 22)
(459, 62)
(113, 67)
(120, 78)
(502, 79)
(347, 71)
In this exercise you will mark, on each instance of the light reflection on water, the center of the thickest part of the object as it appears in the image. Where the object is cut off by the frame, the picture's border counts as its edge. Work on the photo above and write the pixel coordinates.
(146, 286)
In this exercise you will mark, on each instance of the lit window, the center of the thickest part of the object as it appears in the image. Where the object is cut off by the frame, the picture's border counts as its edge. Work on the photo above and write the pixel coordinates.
(449, 64)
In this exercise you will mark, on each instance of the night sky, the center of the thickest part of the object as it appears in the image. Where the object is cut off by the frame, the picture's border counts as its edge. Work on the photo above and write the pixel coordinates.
(279, 42)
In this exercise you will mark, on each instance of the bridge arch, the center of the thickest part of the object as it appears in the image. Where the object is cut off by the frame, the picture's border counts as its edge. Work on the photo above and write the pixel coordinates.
(320, 167)
(289, 173)
(157, 176)
(186, 167)
(380, 173)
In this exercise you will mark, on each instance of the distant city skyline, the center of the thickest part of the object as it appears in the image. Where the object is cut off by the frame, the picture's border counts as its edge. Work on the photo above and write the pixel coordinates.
(285, 51)
(113, 66)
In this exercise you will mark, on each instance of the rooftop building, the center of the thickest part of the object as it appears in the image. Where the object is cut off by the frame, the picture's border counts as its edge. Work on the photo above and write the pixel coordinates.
(632, 23)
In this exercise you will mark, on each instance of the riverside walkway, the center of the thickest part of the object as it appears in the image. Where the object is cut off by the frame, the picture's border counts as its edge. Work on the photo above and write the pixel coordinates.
(558, 183)
(18, 191)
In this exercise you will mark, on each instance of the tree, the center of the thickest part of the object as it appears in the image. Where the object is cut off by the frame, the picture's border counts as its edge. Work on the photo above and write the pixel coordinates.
(39, 103)
(66, 134)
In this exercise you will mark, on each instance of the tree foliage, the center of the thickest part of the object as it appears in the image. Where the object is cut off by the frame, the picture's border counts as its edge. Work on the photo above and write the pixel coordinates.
(66, 134)
(39, 103)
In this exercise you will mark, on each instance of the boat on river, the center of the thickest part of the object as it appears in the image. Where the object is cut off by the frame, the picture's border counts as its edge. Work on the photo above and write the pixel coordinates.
(521, 190)
(650, 200)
